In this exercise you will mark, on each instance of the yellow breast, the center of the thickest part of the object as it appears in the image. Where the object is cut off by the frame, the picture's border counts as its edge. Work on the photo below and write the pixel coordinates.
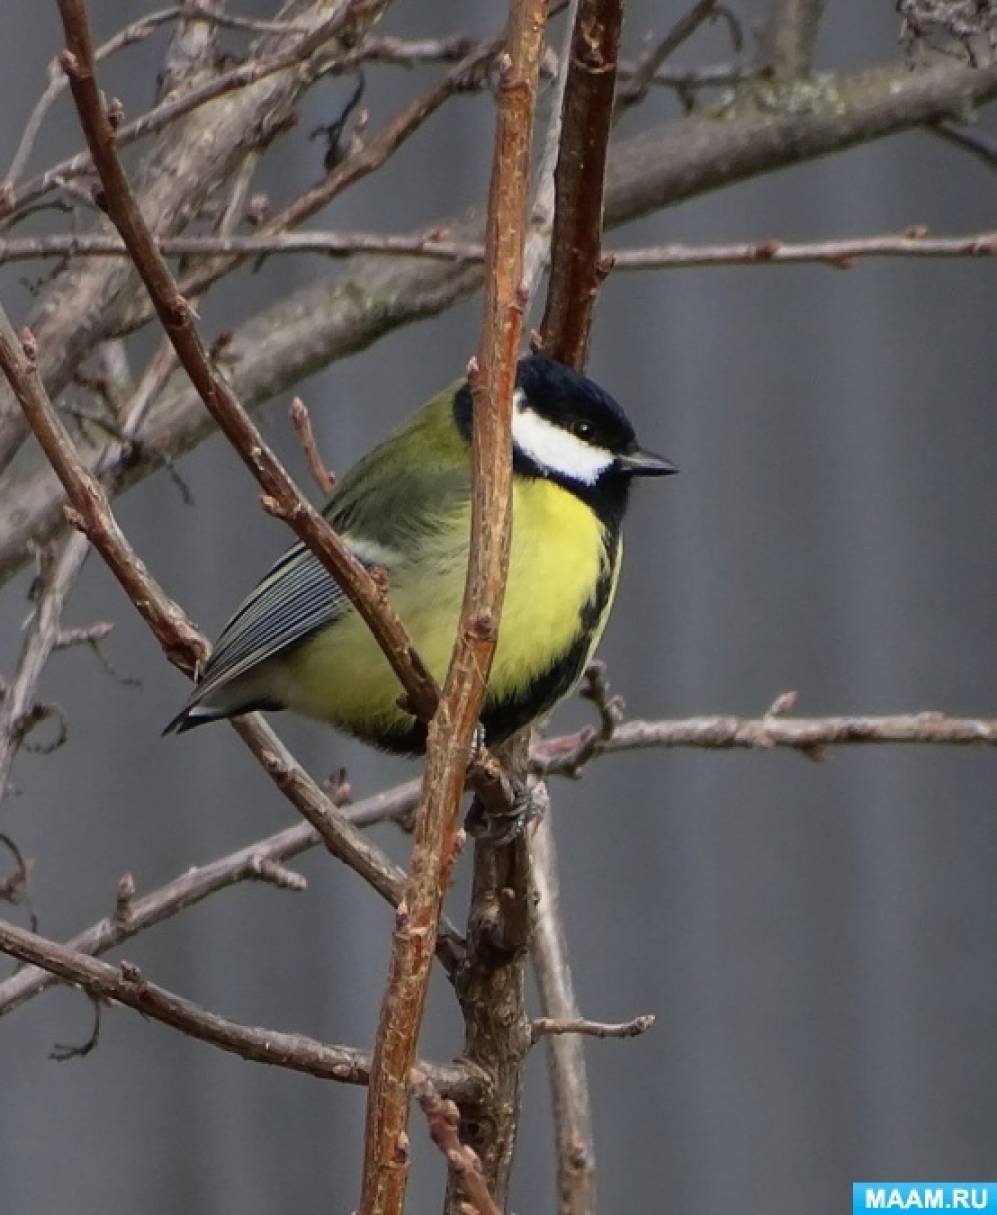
(557, 555)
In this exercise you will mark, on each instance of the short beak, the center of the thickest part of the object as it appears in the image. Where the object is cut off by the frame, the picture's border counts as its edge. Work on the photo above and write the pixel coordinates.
(645, 464)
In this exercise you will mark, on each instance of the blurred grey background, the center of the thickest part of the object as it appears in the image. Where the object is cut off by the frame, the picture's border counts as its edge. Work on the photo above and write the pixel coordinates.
(816, 939)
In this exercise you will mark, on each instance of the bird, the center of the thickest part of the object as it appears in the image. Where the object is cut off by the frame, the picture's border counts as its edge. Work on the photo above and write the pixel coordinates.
(297, 643)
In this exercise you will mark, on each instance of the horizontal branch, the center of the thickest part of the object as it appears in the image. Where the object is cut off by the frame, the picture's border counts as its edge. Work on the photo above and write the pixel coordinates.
(810, 735)
(127, 985)
(546, 1026)
(841, 253)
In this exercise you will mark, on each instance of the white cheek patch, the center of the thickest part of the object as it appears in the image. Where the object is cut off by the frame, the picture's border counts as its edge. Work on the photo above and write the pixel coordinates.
(556, 449)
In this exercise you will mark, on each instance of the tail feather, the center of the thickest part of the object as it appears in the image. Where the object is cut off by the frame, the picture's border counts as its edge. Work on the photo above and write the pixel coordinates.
(192, 715)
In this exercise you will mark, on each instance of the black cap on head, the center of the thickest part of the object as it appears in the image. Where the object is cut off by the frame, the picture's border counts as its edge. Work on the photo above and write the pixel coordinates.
(565, 397)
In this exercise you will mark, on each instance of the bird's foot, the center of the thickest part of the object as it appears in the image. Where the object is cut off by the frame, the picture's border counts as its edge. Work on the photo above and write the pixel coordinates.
(501, 827)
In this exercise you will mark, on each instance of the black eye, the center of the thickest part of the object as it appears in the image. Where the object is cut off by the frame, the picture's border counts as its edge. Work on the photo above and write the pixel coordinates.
(582, 429)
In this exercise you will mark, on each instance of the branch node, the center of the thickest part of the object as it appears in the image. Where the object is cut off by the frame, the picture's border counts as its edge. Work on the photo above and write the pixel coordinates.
(28, 345)
(123, 903)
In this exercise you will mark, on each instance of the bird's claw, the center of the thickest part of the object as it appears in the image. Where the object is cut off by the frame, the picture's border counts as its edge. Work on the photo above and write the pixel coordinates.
(502, 827)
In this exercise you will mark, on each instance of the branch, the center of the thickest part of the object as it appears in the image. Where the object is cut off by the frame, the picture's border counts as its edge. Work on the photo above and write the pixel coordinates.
(184, 646)
(841, 254)
(575, 271)
(756, 134)
(809, 735)
(913, 242)
(443, 1119)
(43, 636)
(283, 498)
(646, 70)
(576, 1171)
(546, 1026)
(127, 985)
(976, 143)
(492, 379)
(302, 423)
(239, 248)
(200, 881)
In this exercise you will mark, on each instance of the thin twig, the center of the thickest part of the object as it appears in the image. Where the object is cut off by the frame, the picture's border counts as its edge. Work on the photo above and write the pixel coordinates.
(913, 242)
(574, 1141)
(492, 379)
(43, 636)
(977, 143)
(302, 423)
(649, 64)
(547, 1026)
(808, 735)
(443, 1119)
(127, 985)
(840, 254)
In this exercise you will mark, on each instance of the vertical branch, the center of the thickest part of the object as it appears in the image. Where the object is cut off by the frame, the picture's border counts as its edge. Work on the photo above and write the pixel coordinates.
(575, 274)
(492, 379)
(492, 991)
(576, 270)
(576, 1173)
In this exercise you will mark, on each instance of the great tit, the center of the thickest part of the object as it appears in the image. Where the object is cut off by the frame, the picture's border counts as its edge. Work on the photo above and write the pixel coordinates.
(297, 643)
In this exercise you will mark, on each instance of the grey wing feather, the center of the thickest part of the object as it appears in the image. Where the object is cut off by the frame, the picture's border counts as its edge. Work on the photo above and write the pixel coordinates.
(296, 597)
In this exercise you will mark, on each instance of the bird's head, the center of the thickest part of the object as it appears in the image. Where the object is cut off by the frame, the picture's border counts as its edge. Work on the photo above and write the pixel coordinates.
(565, 428)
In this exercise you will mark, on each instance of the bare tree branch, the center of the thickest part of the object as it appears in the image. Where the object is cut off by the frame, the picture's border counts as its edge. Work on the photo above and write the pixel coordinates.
(647, 68)
(492, 380)
(43, 636)
(575, 270)
(302, 423)
(126, 985)
(546, 1026)
(443, 1119)
(574, 1141)
(913, 242)
(755, 135)
(808, 735)
(976, 143)
(840, 254)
